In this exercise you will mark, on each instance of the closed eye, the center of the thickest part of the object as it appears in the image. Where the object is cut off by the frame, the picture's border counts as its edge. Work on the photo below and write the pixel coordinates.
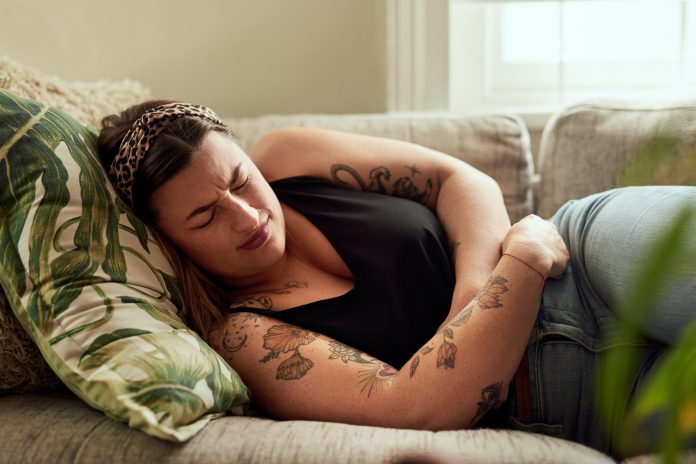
(241, 187)
(212, 216)
(246, 182)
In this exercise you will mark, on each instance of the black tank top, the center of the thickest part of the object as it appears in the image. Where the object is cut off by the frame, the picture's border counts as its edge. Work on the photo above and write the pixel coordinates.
(398, 254)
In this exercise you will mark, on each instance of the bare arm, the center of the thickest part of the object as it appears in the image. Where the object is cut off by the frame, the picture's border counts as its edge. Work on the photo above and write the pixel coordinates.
(297, 374)
(471, 209)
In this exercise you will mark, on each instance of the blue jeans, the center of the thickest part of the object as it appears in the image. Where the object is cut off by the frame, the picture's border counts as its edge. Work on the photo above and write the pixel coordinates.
(606, 235)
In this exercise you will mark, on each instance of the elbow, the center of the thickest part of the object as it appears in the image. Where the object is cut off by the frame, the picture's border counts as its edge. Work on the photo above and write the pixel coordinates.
(446, 413)
(437, 420)
(428, 415)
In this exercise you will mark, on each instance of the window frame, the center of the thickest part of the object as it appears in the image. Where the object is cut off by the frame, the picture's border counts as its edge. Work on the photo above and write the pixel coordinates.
(421, 70)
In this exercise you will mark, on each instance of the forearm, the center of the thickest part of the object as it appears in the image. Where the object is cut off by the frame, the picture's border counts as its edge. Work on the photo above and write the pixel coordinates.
(471, 209)
(451, 382)
(457, 376)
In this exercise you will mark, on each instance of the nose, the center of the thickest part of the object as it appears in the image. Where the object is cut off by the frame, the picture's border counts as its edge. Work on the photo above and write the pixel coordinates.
(242, 216)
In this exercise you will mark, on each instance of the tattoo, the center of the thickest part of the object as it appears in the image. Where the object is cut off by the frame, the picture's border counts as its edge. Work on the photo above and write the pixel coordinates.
(295, 367)
(414, 365)
(378, 376)
(375, 375)
(489, 395)
(346, 353)
(416, 360)
(447, 351)
(405, 188)
(376, 176)
(463, 316)
(402, 187)
(489, 296)
(232, 341)
(414, 170)
(286, 338)
(264, 301)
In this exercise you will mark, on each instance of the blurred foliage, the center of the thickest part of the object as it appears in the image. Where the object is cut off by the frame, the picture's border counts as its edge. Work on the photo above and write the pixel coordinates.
(661, 162)
(670, 391)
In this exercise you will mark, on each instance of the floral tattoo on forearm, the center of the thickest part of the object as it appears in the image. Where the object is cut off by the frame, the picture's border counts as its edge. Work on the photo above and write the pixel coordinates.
(375, 375)
(487, 298)
(286, 338)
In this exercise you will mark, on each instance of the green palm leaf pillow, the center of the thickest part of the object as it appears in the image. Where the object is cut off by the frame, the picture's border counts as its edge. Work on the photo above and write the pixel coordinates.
(90, 285)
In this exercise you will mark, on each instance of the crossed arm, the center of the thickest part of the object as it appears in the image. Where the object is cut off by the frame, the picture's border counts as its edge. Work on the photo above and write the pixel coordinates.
(451, 382)
(464, 369)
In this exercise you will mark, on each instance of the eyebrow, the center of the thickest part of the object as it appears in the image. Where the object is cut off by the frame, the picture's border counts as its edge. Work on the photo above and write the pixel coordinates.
(204, 208)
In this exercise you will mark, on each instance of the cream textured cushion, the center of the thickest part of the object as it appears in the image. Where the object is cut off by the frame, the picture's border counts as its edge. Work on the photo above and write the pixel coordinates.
(496, 144)
(87, 102)
(593, 147)
(71, 432)
(22, 368)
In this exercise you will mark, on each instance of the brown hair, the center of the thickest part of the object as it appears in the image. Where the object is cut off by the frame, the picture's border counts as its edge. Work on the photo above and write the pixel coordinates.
(170, 152)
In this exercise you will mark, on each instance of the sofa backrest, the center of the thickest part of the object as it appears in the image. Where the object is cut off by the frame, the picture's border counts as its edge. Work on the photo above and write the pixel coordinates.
(593, 147)
(495, 144)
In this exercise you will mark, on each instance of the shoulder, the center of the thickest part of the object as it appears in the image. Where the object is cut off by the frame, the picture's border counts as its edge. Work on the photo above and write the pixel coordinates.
(286, 152)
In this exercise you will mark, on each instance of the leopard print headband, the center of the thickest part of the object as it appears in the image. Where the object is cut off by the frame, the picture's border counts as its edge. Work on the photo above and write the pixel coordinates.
(140, 136)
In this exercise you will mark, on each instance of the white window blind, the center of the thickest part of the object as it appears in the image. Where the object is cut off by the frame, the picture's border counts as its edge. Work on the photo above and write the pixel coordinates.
(536, 56)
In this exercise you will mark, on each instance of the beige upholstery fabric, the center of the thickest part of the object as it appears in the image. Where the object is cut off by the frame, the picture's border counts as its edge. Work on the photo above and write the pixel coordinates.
(496, 144)
(585, 148)
(87, 102)
(23, 368)
(55, 427)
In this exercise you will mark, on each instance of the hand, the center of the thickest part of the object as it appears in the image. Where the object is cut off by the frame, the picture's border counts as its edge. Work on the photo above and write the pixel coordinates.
(537, 242)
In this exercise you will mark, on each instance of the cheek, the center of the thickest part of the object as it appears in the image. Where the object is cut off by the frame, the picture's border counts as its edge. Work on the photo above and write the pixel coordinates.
(201, 246)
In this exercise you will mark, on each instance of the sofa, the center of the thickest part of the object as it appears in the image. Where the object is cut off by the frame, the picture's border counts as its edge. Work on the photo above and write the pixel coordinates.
(584, 148)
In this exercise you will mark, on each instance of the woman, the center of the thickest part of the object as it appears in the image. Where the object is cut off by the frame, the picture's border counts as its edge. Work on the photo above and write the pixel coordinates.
(372, 281)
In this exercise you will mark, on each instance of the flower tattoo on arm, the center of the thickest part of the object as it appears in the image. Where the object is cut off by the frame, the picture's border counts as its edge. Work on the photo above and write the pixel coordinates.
(286, 338)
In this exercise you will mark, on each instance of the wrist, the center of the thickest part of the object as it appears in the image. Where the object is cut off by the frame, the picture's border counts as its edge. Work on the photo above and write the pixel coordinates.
(532, 257)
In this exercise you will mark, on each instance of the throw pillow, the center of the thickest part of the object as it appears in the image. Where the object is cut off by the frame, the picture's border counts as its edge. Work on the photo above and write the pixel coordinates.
(22, 368)
(92, 288)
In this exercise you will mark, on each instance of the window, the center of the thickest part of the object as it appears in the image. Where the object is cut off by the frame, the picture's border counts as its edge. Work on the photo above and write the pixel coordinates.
(536, 56)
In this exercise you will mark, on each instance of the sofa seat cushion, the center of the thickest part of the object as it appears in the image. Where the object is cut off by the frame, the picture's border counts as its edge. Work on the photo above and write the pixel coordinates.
(52, 427)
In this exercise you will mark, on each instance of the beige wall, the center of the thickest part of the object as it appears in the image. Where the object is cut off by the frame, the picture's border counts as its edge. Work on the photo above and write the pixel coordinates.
(241, 57)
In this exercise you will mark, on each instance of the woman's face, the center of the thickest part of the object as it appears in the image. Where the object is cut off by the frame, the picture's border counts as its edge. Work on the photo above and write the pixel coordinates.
(222, 213)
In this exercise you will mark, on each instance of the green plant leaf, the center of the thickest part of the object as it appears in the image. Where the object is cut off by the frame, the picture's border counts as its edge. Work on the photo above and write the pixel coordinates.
(662, 160)
(663, 262)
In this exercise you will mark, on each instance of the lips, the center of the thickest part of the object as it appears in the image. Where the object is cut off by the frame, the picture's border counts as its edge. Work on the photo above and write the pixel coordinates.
(258, 238)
